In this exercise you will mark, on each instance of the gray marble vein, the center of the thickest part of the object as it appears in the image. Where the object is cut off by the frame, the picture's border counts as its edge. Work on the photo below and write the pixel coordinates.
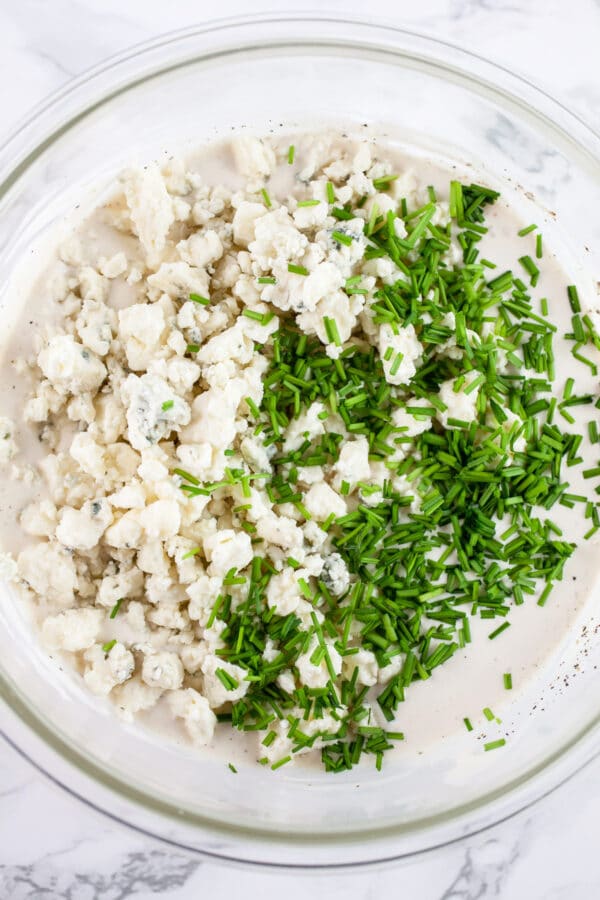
(140, 873)
(483, 872)
(461, 9)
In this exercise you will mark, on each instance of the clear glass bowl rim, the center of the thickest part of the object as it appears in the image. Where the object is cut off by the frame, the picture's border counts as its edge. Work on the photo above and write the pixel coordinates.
(53, 117)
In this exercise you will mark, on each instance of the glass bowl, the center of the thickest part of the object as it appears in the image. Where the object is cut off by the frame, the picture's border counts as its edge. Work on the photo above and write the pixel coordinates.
(297, 72)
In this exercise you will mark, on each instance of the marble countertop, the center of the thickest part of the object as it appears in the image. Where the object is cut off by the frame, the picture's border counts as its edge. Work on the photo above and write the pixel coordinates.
(54, 848)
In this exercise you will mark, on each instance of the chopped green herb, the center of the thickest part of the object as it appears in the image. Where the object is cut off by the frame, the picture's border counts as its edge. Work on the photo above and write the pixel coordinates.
(114, 611)
(574, 298)
(297, 270)
(341, 238)
(186, 476)
(531, 269)
(264, 318)
(383, 183)
(494, 745)
(527, 230)
(331, 329)
(190, 553)
(498, 630)
(228, 681)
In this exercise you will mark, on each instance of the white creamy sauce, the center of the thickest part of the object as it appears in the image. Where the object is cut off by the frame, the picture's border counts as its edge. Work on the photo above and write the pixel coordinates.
(473, 678)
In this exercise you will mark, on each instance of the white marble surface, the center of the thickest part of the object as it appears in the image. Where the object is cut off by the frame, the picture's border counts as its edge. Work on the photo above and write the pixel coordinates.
(52, 847)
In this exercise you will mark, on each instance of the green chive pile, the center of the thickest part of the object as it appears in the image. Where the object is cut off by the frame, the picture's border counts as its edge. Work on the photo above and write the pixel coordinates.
(472, 531)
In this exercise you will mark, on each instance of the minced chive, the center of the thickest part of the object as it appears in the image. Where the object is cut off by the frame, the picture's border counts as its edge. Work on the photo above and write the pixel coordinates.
(396, 364)
(116, 608)
(526, 230)
(186, 476)
(291, 154)
(305, 203)
(266, 198)
(498, 630)
(305, 589)
(493, 745)
(193, 348)
(280, 763)
(168, 404)
(330, 192)
(352, 291)
(468, 724)
(573, 296)
(382, 183)
(507, 679)
(190, 553)
(108, 646)
(253, 314)
(267, 279)
(196, 298)
(331, 330)
(227, 680)
(297, 270)
(568, 389)
(341, 238)
(489, 714)
(539, 251)
(501, 283)
(584, 359)
(252, 407)
(545, 594)
(531, 269)
(232, 767)
(473, 385)
(374, 216)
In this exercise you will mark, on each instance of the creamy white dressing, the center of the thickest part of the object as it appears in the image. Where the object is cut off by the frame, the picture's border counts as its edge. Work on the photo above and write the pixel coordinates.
(473, 678)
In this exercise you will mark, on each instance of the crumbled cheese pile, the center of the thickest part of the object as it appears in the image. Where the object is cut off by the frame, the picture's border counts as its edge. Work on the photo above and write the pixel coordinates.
(116, 527)
(159, 482)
